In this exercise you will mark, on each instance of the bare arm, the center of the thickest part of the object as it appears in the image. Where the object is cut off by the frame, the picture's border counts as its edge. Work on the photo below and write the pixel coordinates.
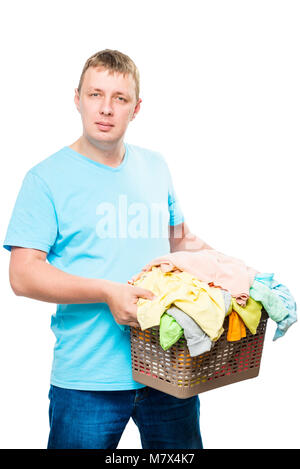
(181, 239)
(31, 276)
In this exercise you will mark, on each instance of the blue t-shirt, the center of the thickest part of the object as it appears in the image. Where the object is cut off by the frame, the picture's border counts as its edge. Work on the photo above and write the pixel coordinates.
(95, 221)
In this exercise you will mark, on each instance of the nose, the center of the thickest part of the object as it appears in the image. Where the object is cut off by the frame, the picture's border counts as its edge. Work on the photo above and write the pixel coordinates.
(106, 107)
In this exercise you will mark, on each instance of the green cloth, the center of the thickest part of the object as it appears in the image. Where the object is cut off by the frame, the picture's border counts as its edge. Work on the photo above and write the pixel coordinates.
(169, 331)
(270, 300)
(250, 314)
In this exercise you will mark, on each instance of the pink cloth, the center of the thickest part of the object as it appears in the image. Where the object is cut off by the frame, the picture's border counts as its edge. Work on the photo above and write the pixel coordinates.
(209, 266)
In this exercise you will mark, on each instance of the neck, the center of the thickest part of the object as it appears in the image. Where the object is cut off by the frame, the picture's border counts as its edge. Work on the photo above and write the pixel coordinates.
(109, 153)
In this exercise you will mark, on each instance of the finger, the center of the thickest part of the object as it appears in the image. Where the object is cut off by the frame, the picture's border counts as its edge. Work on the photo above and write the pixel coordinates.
(153, 263)
(146, 294)
(134, 324)
(136, 277)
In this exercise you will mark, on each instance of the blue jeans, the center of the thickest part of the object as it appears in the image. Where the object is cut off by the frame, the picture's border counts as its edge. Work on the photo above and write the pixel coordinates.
(97, 419)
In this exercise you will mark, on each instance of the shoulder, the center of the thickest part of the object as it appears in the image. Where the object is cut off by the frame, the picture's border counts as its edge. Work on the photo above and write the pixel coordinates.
(148, 155)
(49, 168)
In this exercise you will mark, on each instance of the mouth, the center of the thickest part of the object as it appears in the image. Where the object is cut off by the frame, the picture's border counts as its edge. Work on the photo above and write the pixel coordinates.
(104, 125)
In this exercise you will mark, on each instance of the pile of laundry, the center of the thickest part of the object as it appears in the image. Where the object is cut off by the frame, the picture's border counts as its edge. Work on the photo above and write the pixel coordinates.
(195, 291)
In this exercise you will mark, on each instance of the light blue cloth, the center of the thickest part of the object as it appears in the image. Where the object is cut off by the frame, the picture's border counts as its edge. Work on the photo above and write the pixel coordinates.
(196, 340)
(95, 221)
(269, 299)
(287, 299)
(227, 300)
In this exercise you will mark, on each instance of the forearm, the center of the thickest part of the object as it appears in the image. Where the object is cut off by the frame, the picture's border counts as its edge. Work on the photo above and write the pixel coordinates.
(42, 281)
(181, 239)
(190, 242)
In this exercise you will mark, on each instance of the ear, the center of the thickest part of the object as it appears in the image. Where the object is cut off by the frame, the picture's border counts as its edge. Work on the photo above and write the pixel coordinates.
(76, 99)
(136, 109)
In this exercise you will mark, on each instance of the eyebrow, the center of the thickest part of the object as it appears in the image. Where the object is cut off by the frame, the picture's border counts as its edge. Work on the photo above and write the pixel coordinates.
(116, 92)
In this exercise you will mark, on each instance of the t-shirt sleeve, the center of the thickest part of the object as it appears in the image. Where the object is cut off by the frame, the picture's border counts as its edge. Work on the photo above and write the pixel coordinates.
(176, 214)
(33, 222)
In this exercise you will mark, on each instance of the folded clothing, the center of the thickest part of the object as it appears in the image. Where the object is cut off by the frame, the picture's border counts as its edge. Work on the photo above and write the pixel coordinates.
(278, 302)
(169, 331)
(250, 314)
(197, 341)
(227, 300)
(202, 303)
(236, 328)
(209, 266)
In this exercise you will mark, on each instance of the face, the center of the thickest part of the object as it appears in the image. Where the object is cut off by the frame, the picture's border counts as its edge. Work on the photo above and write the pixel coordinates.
(106, 99)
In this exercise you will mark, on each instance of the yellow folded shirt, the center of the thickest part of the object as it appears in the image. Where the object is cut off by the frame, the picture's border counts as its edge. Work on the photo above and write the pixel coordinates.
(201, 302)
(250, 314)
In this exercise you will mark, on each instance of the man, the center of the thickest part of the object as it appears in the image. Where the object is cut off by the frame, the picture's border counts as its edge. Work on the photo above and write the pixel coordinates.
(91, 210)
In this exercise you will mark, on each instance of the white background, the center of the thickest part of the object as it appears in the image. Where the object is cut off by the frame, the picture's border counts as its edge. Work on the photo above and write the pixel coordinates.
(220, 90)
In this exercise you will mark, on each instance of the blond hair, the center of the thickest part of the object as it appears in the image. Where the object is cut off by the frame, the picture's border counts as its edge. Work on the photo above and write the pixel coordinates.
(115, 61)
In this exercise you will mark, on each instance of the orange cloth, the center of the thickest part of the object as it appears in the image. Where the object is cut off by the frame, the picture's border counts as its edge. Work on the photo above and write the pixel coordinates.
(236, 327)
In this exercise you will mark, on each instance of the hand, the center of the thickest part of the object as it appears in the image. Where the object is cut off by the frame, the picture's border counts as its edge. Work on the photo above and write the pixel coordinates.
(138, 276)
(122, 301)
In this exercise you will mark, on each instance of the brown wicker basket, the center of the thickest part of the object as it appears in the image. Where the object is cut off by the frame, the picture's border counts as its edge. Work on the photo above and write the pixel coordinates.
(175, 372)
